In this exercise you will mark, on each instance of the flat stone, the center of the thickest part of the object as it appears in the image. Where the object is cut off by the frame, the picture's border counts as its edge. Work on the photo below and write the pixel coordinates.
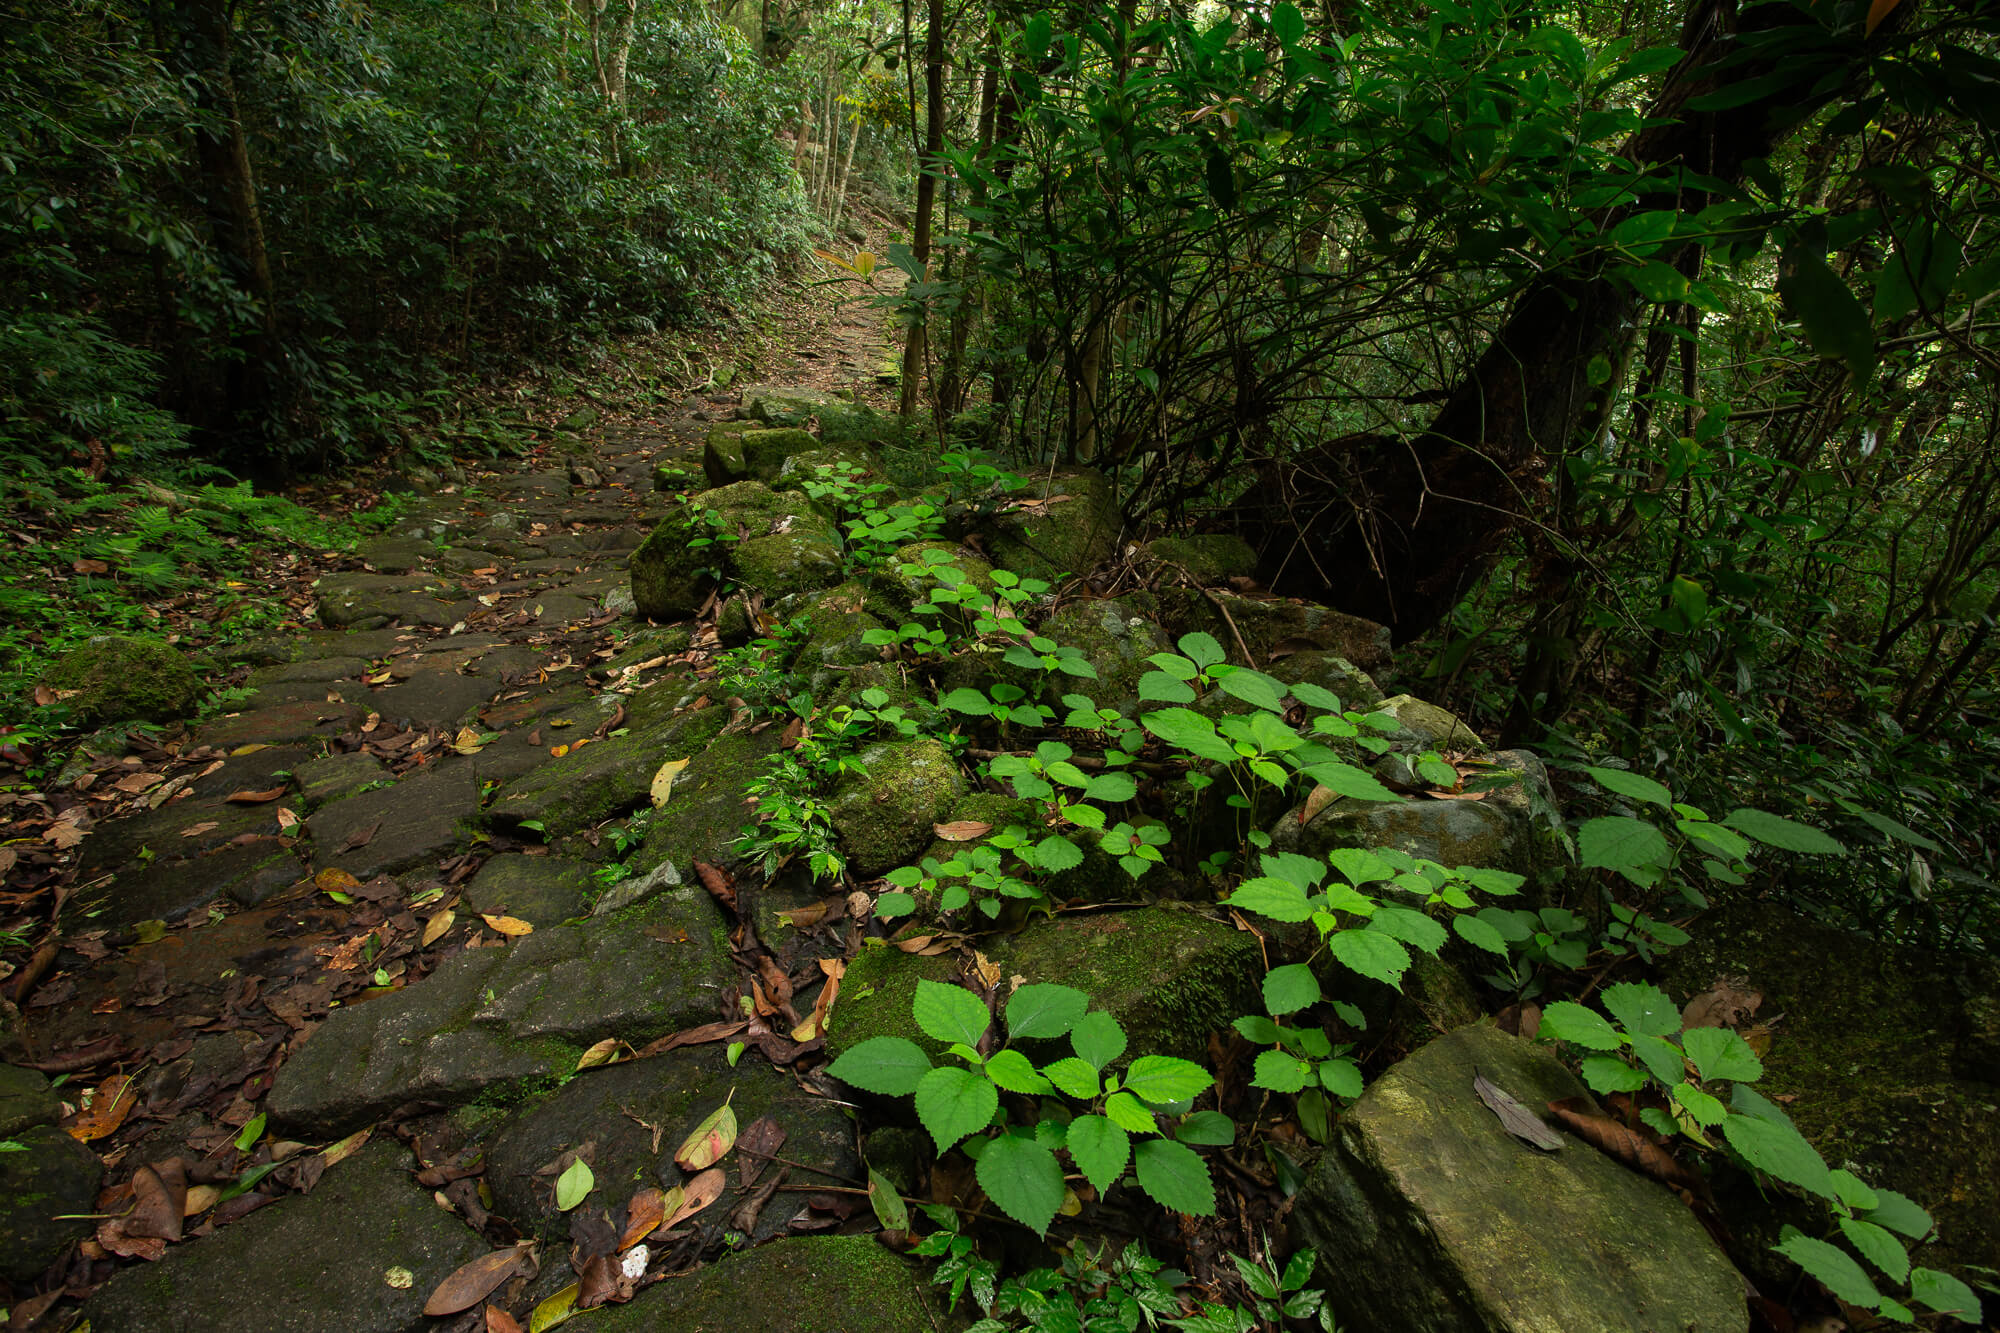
(675, 1091)
(170, 887)
(179, 829)
(783, 405)
(603, 779)
(418, 819)
(312, 1263)
(311, 669)
(52, 1177)
(810, 1284)
(1209, 558)
(396, 555)
(26, 1100)
(337, 777)
(437, 698)
(345, 599)
(1429, 1217)
(282, 724)
(544, 890)
(558, 608)
(502, 1017)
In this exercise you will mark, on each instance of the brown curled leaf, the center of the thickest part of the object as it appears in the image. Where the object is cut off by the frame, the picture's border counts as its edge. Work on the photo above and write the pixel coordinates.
(1626, 1145)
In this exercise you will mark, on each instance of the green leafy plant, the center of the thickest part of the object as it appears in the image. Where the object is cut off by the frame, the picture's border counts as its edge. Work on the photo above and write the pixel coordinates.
(1016, 1143)
(794, 819)
(1701, 1077)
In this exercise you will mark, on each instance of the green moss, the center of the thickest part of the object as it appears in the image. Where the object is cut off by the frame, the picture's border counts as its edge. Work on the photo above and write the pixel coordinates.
(115, 677)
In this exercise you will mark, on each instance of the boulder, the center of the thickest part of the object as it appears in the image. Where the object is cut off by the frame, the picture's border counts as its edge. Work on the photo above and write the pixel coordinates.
(606, 778)
(786, 563)
(1067, 523)
(1273, 627)
(801, 468)
(116, 677)
(26, 1100)
(1209, 558)
(1429, 1217)
(1116, 636)
(884, 813)
(781, 405)
(47, 1187)
(766, 451)
(813, 1284)
(671, 577)
(1432, 727)
(360, 1254)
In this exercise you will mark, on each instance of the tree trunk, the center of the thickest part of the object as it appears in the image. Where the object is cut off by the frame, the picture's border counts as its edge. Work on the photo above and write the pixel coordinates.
(929, 165)
(1398, 529)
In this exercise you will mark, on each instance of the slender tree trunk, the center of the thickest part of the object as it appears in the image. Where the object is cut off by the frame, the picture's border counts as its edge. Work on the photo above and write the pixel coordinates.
(929, 165)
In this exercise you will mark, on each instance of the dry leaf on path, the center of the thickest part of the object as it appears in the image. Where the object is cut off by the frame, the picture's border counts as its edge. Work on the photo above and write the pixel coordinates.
(1626, 1145)
(256, 797)
(696, 1195)
(499, 1321)
(474, 1281)
(1729, 1003)
(643, 1216)
(437, 926)
(600, 1053)
(756, 1147)
(335, 880)
(507, 925)
(1519, 1121)
(159, 1201)
(962, 830)
(109, 1105)
(663, 780)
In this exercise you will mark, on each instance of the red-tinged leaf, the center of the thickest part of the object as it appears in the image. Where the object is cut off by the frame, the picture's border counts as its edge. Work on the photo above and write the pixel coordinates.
(473, 1282)
(711, 1139)
(696, 1195)
(1626, 1145)
(109, 1105)
(643, 1216)
(1877, 11)
(499, 1321)
(256, 797)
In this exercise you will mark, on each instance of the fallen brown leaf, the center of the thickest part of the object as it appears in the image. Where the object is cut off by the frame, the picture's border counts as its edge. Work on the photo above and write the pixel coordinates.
(1626, 1145)
(255, 797)
(112, 1101)
(1518, 1120)
(962, 830)
(696, 1195)
(499, 1321)
(642, 1216)
(507, 925)
(1729, 1003)
(755, 1148)
(474, 1281)
(159, 1205)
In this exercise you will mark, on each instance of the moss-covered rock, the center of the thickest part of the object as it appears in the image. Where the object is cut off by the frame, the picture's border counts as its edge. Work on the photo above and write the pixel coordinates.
(708, 809)
(765, 451)
(722, 460)
(1430, 1217)
(786, 563)
(26, 1100)
(1433, 727)
(1883, 1061)
(784, 405)
(670, 578)
(1272, 628)
(900, 582)
(1355, 688)
(799, 469)
(1115, 636)
(1209, 558)
(673, 478)
(884, 813)
(1068, 523)
(116, 677)
(1169, 975)
(603, 779)
(46, 1187)
(812, 1284)
(835, 642)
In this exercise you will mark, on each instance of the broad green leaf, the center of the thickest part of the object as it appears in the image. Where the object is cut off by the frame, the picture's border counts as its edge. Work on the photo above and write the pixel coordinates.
(1098, 1039)
(1639, 1007)
(967, 700)
(1778, 1150)
(1287, 24)
(1113, 787)
(1608, 1074)
(1632, 785)
(1359, 866)
(1044, 1010)
(1900, 1213)
(1831, 1265)
(1945, 1294)
(949, 1013)
(1371, 953)
(1479, 934)
(1277, 899)
(573, 1185)
(1290, 988)
(1663, 1060)
(1835, 322)
(1164, 1079)
(1073, 1078)
(890, 1066)
(1315, 696)
(1347, 780)
(1618, 842)
(1721, 1053)
(1024, 1179)
(1853, 1191)
(1189, 731)
(1202, 649)
(1174, 666)
(1013, 1071)
(1130, 1113)
(1210, 1129)
(1257, 1028)
(1411, 927)
(1254, 687)
(1566, 1020)
(1899, 831)
(1878, 1247)
(1701, 1105)
(1281, 1071)
(1785, 834)
(1100, 1150)
(953, 1102)
(1341, 1077)
(1159, 687)
(1175, 1176)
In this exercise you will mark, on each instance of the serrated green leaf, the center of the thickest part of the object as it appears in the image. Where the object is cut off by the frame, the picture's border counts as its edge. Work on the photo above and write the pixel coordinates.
(1900, 1213)
(1566, 1020)
(1411, 927)
(1878, 1247)
(1256, 688)
(1202, 649)
(1290, 988)
(1945, 1294)
(1211, 1129)
(1113, 787)
(1853, 1191)
(1831, 1265)
(1130, 1113)
(1607, 1074)
(1161, 1080)
(1720, 1053)
(1280, 1071)
(1632, 786)
(1073, 1078)
(1358, 865)
(1098, 1039)
(890, 1066)
(1341, 1077)
(1175, 1176)
(1479, 934)
(1042, 1009)
(1347, 780)
(1703, 1106)
(1779, 1150)
(1190, 731)
(1371, 953)
(1663, 1059)
(1024, 1179)
(1277, 899)
(1785, 834)
(1835, 322)
(1639, 1007)
(1100, 1150)
(1617, 842)
(1014, 1072)
(953, 1102)
(949, 1013)
(1159, 687)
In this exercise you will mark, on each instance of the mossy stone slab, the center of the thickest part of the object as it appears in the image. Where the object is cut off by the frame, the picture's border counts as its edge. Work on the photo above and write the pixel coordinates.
(611, 1108)
(1068, 523)
(884, 813)
(339, 776)
(787, 563)
(765, 451)
(542, 890)
(312, 1263)
(604, 778)
(811, 1284)
(422, 817)
(1429, 1217)
(52, 1178)
(114, 677)
(1209, 558)
(706, 812)
(503, 1020)
(26, 1100)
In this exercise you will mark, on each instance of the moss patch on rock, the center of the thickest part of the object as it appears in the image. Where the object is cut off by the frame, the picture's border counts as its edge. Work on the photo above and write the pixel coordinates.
(115, 677)
(884, 814)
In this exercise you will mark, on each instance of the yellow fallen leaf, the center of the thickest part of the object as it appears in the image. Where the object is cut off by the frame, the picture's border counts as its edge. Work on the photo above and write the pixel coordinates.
(558, 751)
(663, 781)
(335, 880)
(555, 1310)
(467, 741)
(200, 1198)
(437, 926)
(507, 925)
(346, 1148)
(600, 1053)
(247, 749)
(711, 1139)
